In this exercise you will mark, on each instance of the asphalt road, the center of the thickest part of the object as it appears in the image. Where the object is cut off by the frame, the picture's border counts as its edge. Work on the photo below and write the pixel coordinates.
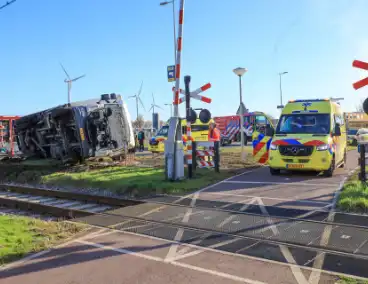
(239, 232)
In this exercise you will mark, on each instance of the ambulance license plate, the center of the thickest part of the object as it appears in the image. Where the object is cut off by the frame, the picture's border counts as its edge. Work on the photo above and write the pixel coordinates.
(294, 166)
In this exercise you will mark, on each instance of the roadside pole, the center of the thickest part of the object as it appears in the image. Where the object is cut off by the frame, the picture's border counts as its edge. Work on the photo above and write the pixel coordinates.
(174, 158)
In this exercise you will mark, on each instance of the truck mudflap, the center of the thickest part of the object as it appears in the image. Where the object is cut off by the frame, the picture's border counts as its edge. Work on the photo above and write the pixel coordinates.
(261, 147)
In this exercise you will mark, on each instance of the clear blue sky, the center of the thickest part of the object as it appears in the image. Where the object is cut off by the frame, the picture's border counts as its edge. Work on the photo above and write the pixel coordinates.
(120, 43)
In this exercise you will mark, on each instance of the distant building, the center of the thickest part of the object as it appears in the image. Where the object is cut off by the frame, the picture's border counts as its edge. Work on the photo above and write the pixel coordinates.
(356, 120)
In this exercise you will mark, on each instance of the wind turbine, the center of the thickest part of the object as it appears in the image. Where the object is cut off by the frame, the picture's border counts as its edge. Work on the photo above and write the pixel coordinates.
(153, 105)
(138, 98)
(69, 82)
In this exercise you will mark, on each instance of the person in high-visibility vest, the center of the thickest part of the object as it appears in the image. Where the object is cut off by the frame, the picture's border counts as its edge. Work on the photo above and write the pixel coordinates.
(213, 133)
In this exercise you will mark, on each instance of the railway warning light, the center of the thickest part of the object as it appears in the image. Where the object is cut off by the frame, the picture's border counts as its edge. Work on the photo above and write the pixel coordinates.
(365, 105)
(193, 116)
(205, 116)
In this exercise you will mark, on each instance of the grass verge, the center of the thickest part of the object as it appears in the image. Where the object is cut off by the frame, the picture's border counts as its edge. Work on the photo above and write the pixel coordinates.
(20, 236)
(351, 148)
(346, 280)
(354, 195)
(134, 180)
(143, 177)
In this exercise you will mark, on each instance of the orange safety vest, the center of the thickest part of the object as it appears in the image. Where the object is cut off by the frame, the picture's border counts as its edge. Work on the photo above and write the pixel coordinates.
(214, 135)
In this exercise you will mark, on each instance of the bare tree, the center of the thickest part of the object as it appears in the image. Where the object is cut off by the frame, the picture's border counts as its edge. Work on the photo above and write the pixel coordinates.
(359, 107)
(147, 124)
(139, 122)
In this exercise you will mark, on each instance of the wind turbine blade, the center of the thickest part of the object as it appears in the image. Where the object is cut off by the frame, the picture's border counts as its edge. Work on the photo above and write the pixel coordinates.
(66, 73)
(75, 79)
(140, 89)
(141, 103)
(150, 108)
(158, 107)
(153, 98)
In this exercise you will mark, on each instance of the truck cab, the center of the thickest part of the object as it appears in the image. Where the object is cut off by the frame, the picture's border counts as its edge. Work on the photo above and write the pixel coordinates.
(310, 135)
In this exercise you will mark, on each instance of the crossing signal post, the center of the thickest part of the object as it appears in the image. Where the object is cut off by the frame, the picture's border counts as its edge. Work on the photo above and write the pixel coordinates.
(362, 144)
(191, 117)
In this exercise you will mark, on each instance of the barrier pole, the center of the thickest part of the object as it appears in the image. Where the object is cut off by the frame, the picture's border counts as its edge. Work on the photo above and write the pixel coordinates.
(217, 156)
(189, 128)
(362, 163)
(194, 155)
(178, 59)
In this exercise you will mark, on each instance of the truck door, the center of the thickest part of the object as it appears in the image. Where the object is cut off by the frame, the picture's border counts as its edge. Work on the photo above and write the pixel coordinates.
(261, 138)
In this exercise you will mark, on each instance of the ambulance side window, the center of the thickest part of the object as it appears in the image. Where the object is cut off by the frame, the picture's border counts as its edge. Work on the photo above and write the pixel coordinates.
(184, 129)
(261, 123)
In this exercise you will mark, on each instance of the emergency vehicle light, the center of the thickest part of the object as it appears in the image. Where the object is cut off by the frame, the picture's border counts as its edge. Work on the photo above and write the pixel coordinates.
(304, 111)
(313, 100)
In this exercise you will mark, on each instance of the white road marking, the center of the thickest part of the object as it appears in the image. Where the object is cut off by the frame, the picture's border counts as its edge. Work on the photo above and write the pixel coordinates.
(232, 203)
(213, 185)
(345, 237)
(297, 272)
(142, 215)
(226, 252)
(280, 183)
(270, 198)
(360, 246)
(173, 249)
(231, 217)
(318, 262)
(188, 266)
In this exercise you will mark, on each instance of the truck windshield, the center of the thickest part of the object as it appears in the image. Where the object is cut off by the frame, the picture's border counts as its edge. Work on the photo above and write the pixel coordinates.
(304, 124)
(163, 131)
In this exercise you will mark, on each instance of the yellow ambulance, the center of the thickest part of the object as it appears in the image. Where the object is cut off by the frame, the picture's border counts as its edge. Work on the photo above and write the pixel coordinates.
(199, 133)
(310, 135)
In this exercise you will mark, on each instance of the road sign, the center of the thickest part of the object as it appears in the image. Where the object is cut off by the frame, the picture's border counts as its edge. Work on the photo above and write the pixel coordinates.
(171, 73)
(363, 82)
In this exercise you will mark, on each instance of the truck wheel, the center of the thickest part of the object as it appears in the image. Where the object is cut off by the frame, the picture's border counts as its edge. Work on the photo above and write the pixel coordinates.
(274, 171)
(331, 169)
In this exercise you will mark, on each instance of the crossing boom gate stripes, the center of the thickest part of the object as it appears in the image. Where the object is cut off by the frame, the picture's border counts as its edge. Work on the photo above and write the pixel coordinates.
(209, 157)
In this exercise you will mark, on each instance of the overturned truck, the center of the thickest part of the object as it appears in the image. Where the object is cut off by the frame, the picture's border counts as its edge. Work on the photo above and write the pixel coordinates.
(72, 133)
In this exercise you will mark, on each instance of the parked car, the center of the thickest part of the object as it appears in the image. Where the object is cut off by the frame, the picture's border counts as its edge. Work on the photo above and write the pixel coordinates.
(352, 136)
(362, 135)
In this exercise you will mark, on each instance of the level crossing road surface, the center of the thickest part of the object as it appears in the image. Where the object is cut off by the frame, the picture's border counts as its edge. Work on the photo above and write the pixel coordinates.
(252, 228)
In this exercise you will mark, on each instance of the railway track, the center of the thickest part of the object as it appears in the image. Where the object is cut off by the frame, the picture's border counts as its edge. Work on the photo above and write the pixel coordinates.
(247, 233)
(283, 215)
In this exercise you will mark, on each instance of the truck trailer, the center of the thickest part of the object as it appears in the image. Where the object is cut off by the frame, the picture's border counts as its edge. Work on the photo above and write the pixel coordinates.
(77, 131)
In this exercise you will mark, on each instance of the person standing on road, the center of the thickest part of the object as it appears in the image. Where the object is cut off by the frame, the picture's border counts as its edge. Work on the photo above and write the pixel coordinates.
(213, 133)
(141, 140)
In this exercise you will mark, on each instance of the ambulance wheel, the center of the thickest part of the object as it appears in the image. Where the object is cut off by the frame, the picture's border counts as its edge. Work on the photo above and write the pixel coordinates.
(343, 165)
(331, 169)
(274, 171)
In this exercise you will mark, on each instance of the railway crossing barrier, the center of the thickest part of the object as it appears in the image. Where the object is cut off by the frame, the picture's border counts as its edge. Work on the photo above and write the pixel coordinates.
(362, 143)
(191, 116)
(206, 155)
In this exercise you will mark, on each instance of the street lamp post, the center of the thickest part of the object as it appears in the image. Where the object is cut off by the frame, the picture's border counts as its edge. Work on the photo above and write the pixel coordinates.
(170, 108)
(240, 72)
(281, 106)
(173, 6)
